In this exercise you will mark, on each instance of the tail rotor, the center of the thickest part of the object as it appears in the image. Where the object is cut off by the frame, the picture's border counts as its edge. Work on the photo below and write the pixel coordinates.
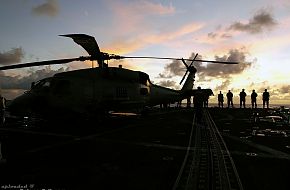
(189, 68)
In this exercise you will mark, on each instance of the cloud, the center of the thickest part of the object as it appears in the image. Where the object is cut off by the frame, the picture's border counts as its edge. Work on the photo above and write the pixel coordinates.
(219, 34)
(141, 8)
(285, 89)
(20, 82)
(226, 35)
(152, 8)
(164, 76)
(12, 56)
(206, 72)
(261, 21)
(49, 8)
(224, 70)
(175, 68)
(131, 17)
(147, 37)
(168, 83)
(224, 86)
(279, 93)
(10, 94)
(136, 29)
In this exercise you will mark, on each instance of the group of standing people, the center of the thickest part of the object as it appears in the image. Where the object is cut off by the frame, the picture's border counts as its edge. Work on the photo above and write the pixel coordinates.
(265, 98)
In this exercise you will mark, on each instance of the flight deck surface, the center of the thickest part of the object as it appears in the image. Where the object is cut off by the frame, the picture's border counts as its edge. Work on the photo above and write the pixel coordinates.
(137, 152)
(130, 152)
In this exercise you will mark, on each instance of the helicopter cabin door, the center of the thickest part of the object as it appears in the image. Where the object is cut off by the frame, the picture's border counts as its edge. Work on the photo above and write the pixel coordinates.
(61, 94)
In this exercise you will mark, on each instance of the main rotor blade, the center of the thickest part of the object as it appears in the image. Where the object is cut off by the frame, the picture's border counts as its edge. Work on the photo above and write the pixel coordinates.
(89, 43)
(41, 63)
(221, 62)
(178, 59)
(184, 63)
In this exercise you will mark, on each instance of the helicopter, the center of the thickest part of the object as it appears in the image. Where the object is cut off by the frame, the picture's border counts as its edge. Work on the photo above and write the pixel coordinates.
(97, 90)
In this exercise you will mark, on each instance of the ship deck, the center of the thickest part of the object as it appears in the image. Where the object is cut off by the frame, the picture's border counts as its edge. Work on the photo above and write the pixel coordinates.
(140, 152)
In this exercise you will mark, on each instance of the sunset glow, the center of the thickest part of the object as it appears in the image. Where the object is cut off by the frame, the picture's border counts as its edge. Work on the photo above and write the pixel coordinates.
(255, 33)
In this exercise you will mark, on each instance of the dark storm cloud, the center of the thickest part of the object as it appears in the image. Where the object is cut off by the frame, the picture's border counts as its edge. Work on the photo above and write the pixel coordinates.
(49, 8)
(12, 56)
(261, 21)
(19, 82)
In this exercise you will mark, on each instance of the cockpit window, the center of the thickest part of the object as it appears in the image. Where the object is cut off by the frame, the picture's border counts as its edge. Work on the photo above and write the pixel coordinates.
(57, 87)
(46, 83)
(144, 79)
(41, 85)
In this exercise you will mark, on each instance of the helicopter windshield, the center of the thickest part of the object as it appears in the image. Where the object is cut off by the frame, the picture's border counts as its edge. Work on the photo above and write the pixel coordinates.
(144, 79)
(57, 87)
(41, 85)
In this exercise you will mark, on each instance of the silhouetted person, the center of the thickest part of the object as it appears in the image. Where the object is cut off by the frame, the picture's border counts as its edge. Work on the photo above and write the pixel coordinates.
(254, 99)
(205, 101)
(243, 98)
(266, 97)
(2, 109)
(198, 100)
(221, 99)
(230, 99)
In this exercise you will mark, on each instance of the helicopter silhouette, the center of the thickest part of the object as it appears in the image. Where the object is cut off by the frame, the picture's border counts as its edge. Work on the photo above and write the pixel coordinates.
(99, 90)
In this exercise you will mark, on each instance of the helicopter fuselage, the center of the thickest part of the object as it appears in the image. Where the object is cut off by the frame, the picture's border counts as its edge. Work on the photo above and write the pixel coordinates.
(97, 90)
(92, 90)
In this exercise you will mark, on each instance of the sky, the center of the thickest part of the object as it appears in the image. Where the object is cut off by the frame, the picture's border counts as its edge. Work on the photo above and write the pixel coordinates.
(254, 33)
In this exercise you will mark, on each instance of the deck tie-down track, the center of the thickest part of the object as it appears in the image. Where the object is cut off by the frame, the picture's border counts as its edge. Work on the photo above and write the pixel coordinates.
(208, 163)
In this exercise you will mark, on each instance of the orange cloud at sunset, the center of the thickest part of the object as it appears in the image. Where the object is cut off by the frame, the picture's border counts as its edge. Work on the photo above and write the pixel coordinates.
(145, 39)
(141, 8)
